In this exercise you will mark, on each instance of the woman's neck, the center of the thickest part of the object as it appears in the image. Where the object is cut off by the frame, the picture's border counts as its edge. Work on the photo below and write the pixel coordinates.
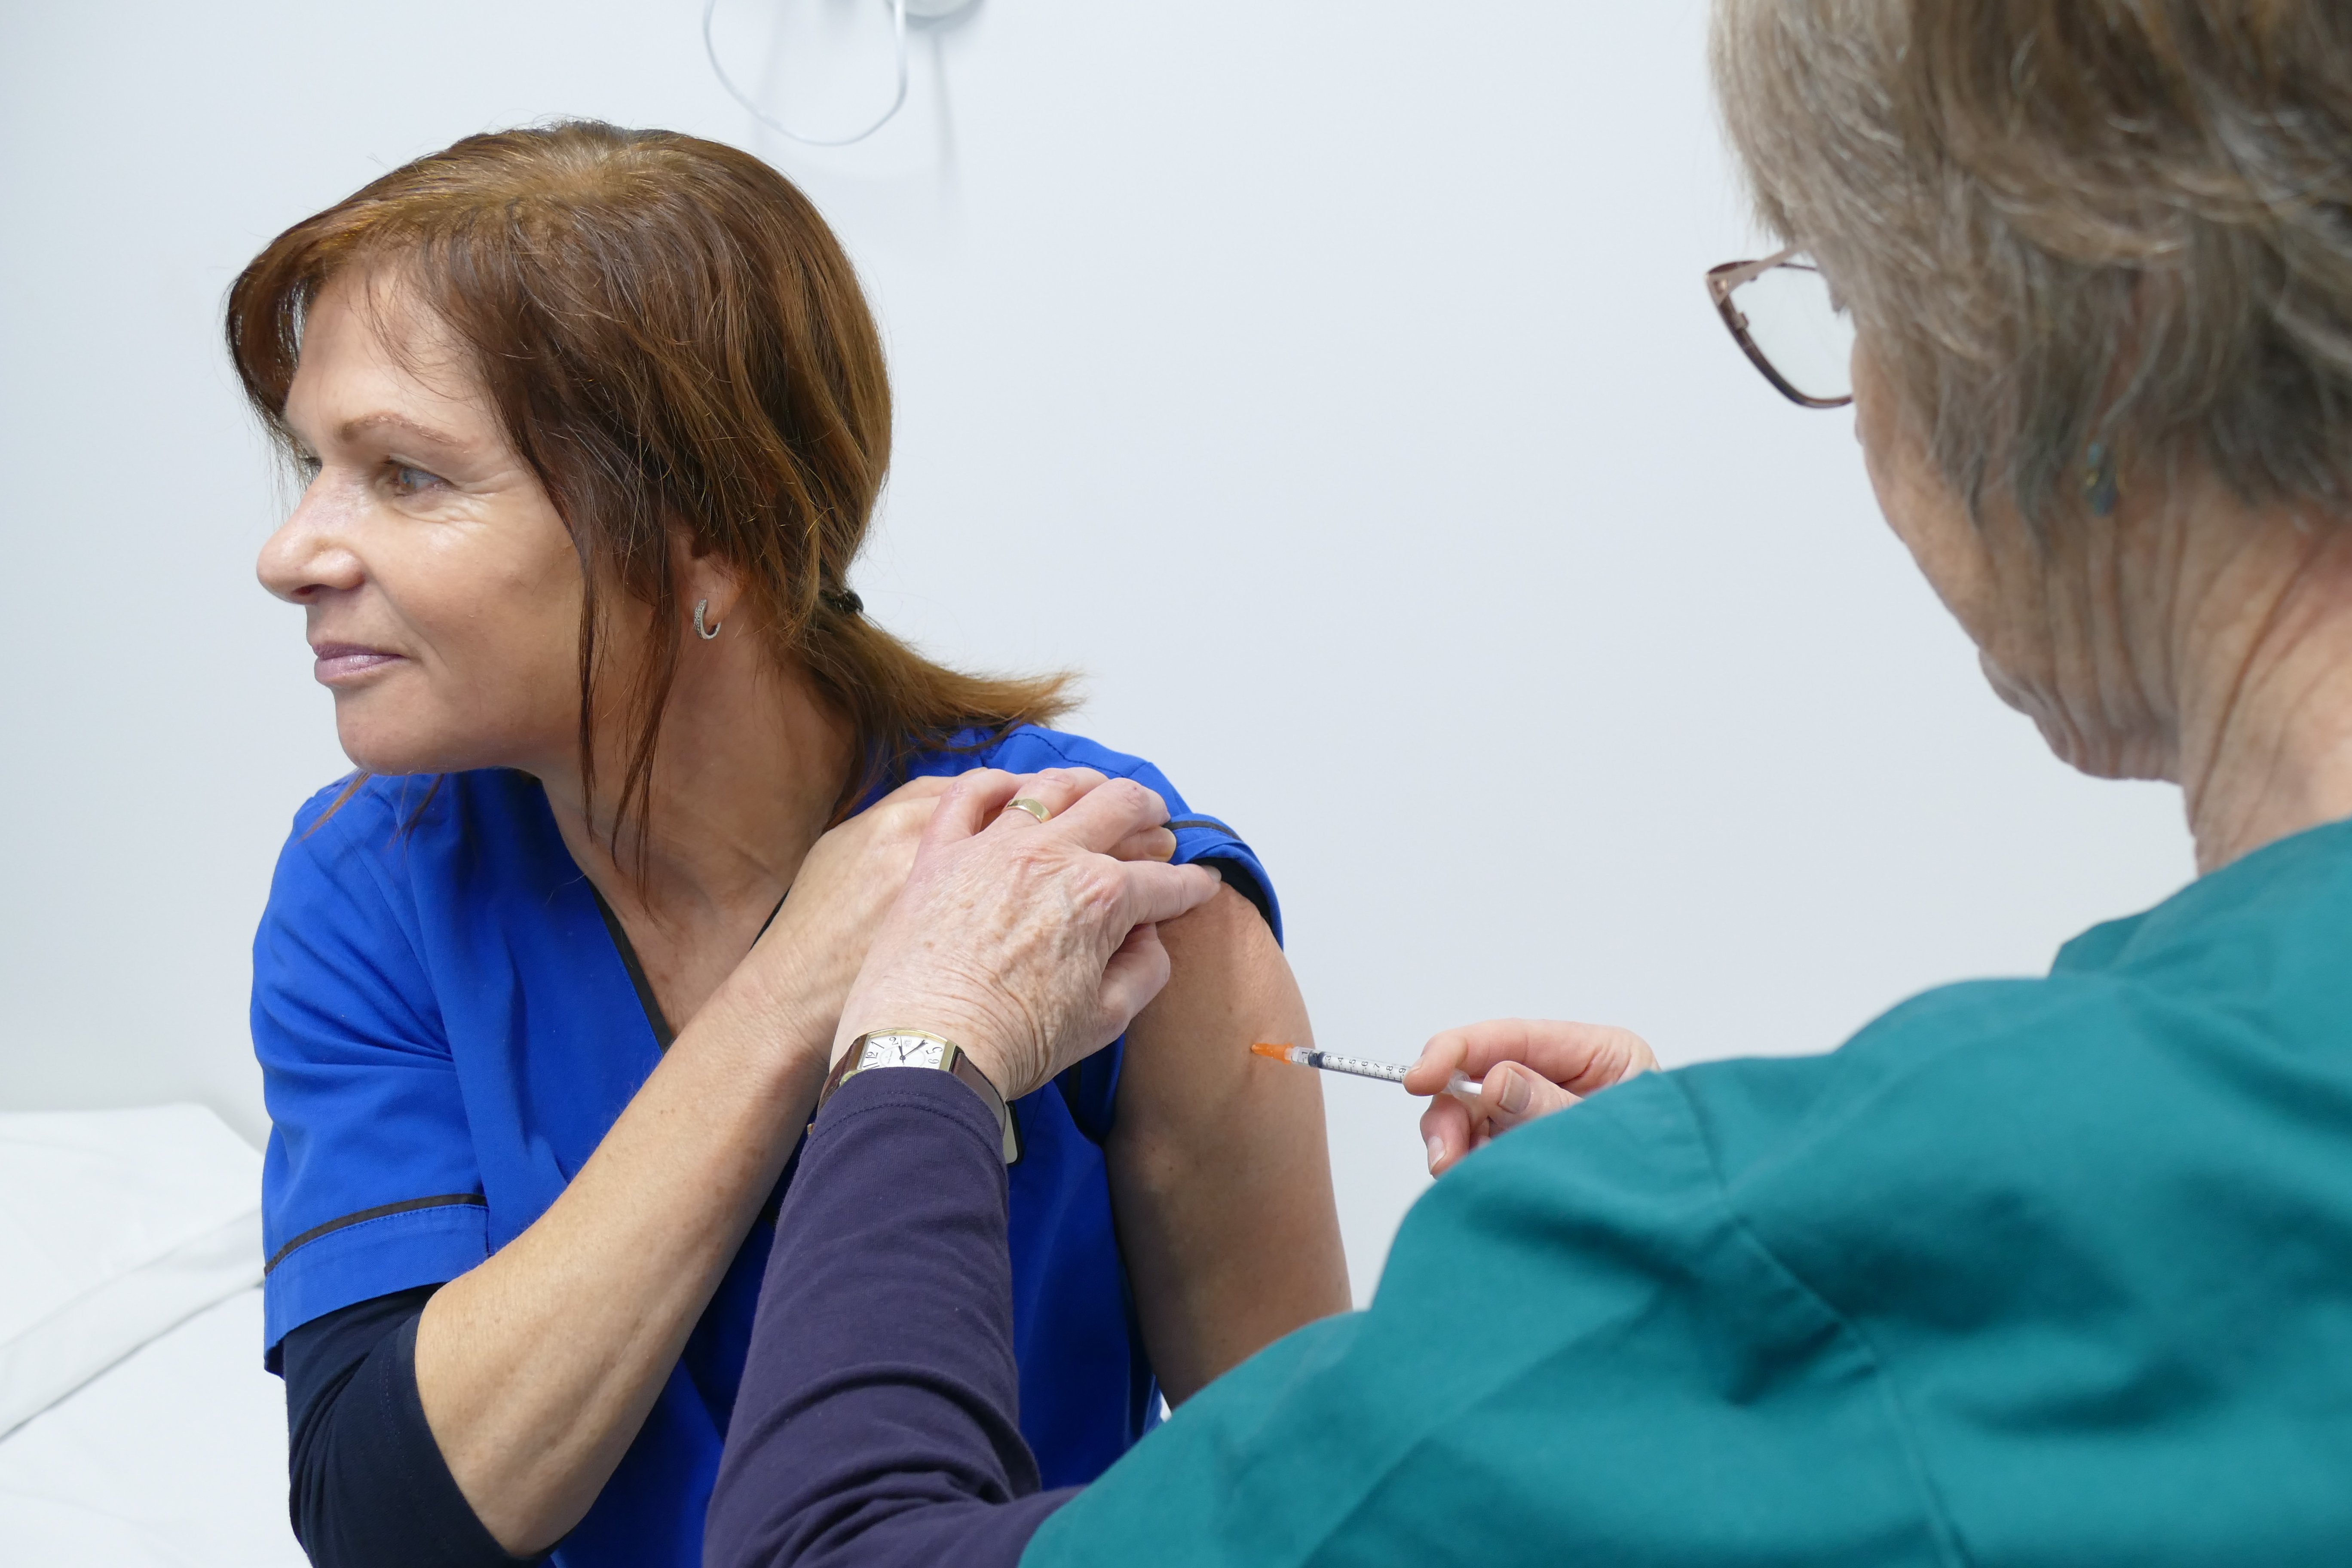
(747, 769)
(2262, 646)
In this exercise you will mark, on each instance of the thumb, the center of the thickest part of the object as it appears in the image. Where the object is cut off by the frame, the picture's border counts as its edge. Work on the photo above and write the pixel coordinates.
(1135, 975)
(1155, 892)
(1511, 1094)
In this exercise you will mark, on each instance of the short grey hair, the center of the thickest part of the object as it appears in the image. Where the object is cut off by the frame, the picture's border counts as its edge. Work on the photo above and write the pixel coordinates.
(2069, 222)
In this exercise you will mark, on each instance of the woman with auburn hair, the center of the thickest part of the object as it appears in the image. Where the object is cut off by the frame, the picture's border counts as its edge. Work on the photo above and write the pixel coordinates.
(593, 422)
(2037, 1271)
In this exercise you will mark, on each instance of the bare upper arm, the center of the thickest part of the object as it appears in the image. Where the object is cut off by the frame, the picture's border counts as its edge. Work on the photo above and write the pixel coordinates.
(1220, 1179)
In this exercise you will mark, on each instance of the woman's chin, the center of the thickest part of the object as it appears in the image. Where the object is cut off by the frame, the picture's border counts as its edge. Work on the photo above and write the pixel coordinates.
(2098, 750)
(388, 755)
(386, 764)
(2099, 753)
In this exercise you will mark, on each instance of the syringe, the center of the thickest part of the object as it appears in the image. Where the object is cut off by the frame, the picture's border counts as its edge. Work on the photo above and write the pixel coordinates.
(1461, 1086)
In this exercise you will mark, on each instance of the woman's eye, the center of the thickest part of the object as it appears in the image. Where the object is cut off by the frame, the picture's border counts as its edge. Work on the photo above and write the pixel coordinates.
(407, 481)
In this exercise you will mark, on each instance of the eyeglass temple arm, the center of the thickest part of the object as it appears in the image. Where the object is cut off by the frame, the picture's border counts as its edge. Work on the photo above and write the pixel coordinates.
(1723, 280)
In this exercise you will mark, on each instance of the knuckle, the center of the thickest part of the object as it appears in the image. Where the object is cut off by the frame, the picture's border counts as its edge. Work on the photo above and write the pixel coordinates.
(1129, 793)
(1097, 891)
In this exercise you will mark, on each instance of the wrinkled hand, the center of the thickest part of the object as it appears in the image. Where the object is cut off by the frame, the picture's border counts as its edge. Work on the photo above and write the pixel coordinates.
(1527, 1068)
(812, 951)
(818, 941)
(1029, 944)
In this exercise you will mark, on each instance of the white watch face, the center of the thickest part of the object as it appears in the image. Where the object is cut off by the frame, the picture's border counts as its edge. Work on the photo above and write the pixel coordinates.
(901, 1051)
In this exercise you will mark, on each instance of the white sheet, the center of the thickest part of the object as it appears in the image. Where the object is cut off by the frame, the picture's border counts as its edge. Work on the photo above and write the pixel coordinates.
(114, 1227)
(173, 1459)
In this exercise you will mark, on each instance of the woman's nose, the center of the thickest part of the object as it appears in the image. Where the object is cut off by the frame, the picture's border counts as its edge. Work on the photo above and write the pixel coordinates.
(308, 554)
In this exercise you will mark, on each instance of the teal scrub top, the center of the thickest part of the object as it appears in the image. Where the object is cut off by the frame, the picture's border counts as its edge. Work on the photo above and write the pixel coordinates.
(2047, 1271)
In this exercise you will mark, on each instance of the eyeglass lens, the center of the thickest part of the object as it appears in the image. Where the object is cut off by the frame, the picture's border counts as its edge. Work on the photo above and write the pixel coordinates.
(1795, 323)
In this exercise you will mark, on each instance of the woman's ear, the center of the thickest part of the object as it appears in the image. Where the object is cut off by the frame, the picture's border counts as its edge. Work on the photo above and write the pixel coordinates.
(706, 584)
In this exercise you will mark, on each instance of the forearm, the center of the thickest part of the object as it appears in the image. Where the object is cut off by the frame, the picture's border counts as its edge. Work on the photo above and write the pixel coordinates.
(1220, 1174)
(876, 1424)
(536, 1369)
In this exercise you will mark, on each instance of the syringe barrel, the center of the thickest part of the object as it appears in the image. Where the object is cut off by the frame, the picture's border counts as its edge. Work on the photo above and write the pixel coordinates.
(1357, 1067)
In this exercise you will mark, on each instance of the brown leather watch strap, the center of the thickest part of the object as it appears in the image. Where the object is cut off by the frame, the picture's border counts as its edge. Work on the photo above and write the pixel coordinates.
(1007, 1124)
(841, 1069)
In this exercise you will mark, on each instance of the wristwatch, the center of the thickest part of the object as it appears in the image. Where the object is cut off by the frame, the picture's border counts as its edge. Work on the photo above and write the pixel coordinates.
(914, 1048)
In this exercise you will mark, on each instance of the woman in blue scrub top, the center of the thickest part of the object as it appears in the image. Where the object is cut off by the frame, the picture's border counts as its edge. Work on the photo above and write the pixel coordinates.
(593, 422)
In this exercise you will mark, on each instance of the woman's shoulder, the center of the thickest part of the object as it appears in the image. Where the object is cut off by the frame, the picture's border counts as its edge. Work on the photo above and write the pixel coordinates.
(1029, 748)
(1936, 1066)
(2047, 1129)
(391, 827)
(2166, 1022)
(1200, 835)
(1025, 748)
(357, 803)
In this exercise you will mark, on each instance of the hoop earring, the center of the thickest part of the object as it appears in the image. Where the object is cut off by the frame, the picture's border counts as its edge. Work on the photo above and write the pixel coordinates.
(705, 633)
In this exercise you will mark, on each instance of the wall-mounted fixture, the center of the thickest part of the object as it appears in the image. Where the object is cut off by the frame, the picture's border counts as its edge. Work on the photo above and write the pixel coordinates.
(921, 10)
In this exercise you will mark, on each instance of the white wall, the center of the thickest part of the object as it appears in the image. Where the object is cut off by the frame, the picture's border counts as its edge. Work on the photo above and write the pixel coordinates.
(1332, 382)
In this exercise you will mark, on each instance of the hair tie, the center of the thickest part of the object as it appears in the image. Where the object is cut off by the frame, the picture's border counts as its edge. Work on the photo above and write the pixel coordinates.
(846, 600)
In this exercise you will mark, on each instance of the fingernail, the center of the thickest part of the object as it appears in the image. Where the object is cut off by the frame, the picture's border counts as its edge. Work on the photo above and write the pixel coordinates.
(1513, 1097)
(1436, 1153)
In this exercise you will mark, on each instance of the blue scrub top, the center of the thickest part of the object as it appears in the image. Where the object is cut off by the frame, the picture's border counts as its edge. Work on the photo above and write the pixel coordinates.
(447, 1029)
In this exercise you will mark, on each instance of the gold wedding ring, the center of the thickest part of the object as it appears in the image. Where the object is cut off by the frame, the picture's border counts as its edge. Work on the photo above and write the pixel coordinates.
(1037, 808)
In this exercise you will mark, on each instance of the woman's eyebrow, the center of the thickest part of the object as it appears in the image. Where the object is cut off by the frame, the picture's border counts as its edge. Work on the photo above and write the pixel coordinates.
(353, 429)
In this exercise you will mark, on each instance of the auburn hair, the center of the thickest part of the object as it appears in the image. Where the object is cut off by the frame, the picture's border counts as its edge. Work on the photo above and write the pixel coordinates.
(676, 344)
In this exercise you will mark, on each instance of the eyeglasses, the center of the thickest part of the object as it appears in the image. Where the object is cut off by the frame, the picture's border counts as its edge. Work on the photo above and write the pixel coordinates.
(1785, 317)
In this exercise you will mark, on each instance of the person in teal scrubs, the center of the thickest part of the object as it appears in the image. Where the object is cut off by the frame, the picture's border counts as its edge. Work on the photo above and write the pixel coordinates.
(2049, 1270)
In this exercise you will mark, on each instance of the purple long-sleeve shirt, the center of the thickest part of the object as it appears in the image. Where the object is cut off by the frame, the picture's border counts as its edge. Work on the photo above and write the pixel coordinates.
(877, 1423)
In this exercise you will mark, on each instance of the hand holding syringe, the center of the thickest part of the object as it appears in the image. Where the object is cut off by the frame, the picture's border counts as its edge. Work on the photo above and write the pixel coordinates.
(1527, 1068)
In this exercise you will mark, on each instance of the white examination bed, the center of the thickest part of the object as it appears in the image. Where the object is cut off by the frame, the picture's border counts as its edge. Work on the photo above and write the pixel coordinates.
(137, 1427)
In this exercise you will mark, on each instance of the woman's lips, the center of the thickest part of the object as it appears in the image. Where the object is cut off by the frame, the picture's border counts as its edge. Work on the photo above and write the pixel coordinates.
(339, 661)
